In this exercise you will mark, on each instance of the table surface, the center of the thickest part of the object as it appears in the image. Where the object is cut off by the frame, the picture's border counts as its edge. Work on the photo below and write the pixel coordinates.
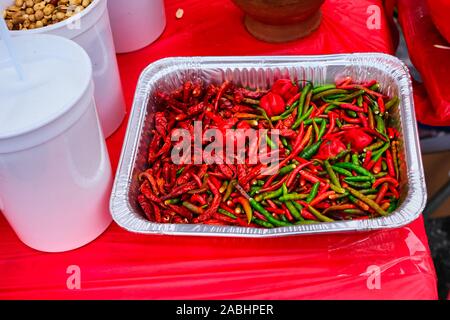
(389, 264)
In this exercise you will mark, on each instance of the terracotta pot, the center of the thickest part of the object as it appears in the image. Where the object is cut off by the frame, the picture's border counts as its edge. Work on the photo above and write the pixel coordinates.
(281, 20)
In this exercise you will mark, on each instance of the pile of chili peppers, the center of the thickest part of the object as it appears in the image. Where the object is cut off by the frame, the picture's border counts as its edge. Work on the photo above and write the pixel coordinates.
(338, 157)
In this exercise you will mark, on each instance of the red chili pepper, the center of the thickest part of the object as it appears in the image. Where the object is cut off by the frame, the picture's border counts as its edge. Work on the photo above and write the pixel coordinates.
(367, 159)
(292, 100)
(377, 166)
(381, 106)
(387, 179)
(365, 107)
(321, 197)
(390, 163)
(308, 215)
(200, 199)
(363, 119)
(156, 212)
(381, 194)
(275, 210)
(330, 148)
(273, 104)
(346, 118)
(358, 139)
(352, 107)
(295, 172)
(146, 207)
(393, 189)
(287, 213)
(332, 116)
(392, 133)
(284, 88)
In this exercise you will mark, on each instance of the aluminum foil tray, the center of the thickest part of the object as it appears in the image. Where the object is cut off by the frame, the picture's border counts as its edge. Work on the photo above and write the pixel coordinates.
(261, 72)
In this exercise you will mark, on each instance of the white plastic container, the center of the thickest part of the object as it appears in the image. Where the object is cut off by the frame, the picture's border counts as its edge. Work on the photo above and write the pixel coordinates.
(55, 174)
(91, 30)
(136, 23)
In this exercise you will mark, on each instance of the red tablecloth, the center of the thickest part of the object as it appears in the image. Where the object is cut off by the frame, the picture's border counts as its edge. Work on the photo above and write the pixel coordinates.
(123, 265)
(430, 53)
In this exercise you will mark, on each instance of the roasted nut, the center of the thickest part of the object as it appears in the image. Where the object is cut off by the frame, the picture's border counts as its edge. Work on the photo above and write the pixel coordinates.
(30, 14)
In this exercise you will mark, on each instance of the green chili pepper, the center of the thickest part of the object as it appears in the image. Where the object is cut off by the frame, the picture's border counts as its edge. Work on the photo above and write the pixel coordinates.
(351, 113)
(283, 218)
(323, 127)
(380, 175)
(340, 155)
(310, 151)
(224, 186)
(229, 190)
(377, 155)
(369, 202)
(383, 166)
(316, 129)
(338, 123)
(359, 185)
(374, 146)
(263, 223)
(375, 87)
(291, 206)
(301, 102)
(380, 124)
(270, 143)
(258, 207)
(337, 189)
(359, 101)
(353, 211)
(287, 169)
(392, 206)
(313, 193)
(180, 171)
(285, 143)
(266, 117)
(323, 88)
(350, 96)
(369, 191)
(299, 121)
(306, 222)
(355, 159)
(334, 179)
(270, 195)
(326, 93)
(298, 206)
(329, 108)
(357, 169)
(193, 208)
(358, 179)
(374, 106)
(254, 190)
(317, 120)
(293, 196)
(226, 213)
(394, 102)
(318, 215)
(172, 201)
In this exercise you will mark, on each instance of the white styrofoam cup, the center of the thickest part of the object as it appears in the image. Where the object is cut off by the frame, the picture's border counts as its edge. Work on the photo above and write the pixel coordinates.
(55, 174)
(136, 23)
(92, 31)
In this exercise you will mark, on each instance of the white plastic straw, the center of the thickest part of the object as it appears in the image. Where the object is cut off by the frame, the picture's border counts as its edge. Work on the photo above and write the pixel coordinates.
(4, 32)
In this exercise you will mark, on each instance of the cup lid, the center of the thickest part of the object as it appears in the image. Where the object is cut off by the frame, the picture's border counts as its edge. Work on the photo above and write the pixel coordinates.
(58, 73)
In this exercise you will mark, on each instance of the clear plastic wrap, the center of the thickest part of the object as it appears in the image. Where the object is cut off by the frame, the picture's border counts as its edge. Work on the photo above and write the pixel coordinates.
(260, 72)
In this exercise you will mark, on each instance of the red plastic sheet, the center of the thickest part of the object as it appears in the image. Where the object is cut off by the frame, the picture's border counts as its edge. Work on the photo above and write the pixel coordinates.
(440, 13)
(430, 53)
(390, 264)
